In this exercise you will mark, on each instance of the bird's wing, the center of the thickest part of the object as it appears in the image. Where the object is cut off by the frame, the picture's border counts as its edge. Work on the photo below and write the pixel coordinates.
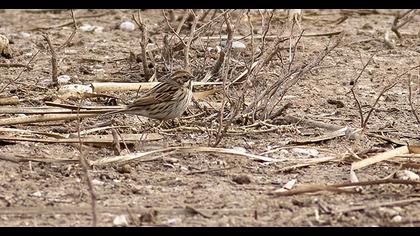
(151, 99)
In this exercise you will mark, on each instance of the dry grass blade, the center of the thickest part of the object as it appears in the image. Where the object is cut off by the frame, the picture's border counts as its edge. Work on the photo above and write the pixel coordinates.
(332, 135)
(151, 155)
(341, 188)
(12, 100)
(88, 139)
(380, 157)
(41, 118)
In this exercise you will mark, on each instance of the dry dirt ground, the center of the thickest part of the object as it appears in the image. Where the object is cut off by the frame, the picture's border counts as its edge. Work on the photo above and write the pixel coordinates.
(212, 188)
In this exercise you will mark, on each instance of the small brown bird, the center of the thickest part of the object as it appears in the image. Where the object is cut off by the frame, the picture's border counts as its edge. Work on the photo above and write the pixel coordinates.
(167, 100)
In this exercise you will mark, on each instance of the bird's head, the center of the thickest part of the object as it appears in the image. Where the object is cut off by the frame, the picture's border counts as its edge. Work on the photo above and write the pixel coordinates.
(182, 78)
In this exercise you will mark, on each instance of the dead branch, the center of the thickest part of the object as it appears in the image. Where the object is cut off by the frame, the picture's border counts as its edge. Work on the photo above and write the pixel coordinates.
(385, 89)
(359, 106)
(188, 44)
(292, 77)
(311, 123)
(143, 44)
(182, 22)
(10, 65)
(395, 26)
(221, 132)
(267, 28)
(339, 187)
(410, 101)
(20, 73)
(67, 42)
(54, 71)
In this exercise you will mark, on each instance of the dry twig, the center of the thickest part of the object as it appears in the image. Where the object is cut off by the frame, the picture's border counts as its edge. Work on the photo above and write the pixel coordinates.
(143, 44)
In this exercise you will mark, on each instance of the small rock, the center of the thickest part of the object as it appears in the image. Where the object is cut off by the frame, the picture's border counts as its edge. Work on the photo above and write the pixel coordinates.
(24, 34)
(75, 88)
(307, 152)
(172, 221)
(238, 45)
(338, 103)
(5, 50)
(396, 219)
(289, 185)
(406, 175)
(70, 51)
(98, 29)
(239, 149)
(241, 179)
(387, 212)
(86, 27)
(37, 194)
(91, 28)
(120, 220)
(367, 26)
(149, 217)
(127, 26)
(97, 182)
(63, 79)
(125, 169)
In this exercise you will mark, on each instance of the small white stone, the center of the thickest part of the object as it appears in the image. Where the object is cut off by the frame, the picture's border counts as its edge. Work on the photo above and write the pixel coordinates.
(396, 219)
(86, 27)
(24, 34)
(97, 182)
(406, 175)
(70, 51)
(76, 88)
(98, 29)
(37, 194)
(120, 220)
(172, 221)
(238, 45)
(239, 149)
(127, 26)
(303, 151)
(63, 79)
(289, 185)
(98, 66)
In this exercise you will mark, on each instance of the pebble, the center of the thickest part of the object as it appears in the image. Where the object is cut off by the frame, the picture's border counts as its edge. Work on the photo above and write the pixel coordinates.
(91, 28)
(4, 47)
(239, 149)
(75, 88)
(125, 169)
(97, 182)
(238, 45)
(396, 219)
(37, 194)
(63, 79)
(120, 220)
(406, 175)
(303, 151)
(24, 34)
(86, 28)
(241, 179)
(127, 26)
